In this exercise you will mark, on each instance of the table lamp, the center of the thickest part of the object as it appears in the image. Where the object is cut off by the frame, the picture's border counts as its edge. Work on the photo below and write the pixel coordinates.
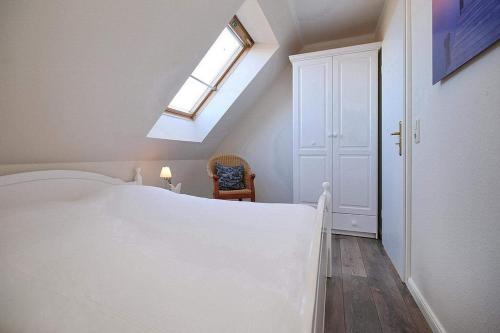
(166, 174)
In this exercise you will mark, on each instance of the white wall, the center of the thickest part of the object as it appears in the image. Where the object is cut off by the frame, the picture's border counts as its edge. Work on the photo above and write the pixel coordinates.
(192, 174)
(264, 138)
(455, 260)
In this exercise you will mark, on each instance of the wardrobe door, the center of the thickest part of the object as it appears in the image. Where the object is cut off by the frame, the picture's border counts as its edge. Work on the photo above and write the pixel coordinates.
(355, 113)
(312, 104)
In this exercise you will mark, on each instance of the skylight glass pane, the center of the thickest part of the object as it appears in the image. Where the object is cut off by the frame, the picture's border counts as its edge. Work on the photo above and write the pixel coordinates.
(188, 96)
(218, 58)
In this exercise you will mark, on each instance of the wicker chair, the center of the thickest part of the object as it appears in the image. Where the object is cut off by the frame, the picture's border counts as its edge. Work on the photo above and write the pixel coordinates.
(232, 160)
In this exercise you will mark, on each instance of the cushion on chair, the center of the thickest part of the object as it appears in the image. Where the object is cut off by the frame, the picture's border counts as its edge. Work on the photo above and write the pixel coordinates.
(230, 177)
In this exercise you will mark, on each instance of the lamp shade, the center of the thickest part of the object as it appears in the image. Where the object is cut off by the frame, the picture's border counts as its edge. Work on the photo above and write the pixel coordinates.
(165, 172)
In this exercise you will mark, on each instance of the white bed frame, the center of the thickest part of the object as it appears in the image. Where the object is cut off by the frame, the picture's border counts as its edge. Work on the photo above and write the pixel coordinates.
(35, 186)
(35, 176)
(32, 187)
(322, 261)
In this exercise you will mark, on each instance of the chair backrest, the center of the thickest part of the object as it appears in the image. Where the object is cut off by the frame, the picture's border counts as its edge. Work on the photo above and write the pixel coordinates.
(229, 160)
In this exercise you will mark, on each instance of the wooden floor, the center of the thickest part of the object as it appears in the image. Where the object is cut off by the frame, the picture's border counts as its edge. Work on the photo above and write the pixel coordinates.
(365, 293)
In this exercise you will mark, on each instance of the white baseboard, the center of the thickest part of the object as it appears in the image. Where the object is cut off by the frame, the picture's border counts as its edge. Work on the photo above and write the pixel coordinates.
(429, 315)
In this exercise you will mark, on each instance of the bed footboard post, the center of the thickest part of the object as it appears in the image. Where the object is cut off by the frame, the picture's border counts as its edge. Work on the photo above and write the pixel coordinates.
(138, 176)
(327, 222)
(324, 269)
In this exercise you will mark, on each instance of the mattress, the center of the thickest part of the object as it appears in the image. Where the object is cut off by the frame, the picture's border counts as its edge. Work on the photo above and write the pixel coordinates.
(142, 259)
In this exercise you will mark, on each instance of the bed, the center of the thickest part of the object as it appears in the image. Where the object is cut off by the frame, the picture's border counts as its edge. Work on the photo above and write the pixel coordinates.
(83, 252)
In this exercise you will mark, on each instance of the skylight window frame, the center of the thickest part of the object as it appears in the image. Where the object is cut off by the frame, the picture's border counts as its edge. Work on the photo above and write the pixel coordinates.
(235, 27)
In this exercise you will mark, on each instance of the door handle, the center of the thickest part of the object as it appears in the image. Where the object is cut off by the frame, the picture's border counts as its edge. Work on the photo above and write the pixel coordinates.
(398, 133)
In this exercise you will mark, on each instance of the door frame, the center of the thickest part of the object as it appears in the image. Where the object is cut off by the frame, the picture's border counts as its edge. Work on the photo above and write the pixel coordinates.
(407, 140)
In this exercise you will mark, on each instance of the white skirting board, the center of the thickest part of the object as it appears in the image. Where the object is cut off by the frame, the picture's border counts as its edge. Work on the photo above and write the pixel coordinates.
(429, 315)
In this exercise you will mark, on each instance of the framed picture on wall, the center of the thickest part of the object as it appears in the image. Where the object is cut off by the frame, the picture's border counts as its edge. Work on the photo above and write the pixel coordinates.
(461, 29)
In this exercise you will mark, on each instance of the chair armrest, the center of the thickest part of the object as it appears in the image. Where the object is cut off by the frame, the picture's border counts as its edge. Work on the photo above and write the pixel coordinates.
(215, 180)
(252, 177)
(252, 187)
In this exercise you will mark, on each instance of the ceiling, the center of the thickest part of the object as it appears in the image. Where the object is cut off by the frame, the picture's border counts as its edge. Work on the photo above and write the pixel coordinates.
(81, 81)
(324, 20)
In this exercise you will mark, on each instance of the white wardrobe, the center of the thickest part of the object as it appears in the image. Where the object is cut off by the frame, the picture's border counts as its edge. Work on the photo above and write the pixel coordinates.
(335, 120)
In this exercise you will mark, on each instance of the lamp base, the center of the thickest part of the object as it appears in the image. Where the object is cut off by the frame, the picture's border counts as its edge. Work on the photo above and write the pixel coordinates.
(168, 183)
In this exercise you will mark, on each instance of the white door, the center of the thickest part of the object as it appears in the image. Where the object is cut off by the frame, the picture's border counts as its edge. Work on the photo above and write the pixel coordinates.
(355, 128)
(312, 103)
(393, 108)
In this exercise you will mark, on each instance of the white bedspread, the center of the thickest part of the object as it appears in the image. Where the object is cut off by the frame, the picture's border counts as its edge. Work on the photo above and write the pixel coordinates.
(143, 259)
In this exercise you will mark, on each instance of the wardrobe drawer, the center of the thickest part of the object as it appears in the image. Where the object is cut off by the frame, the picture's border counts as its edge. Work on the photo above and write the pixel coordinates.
(351, 222)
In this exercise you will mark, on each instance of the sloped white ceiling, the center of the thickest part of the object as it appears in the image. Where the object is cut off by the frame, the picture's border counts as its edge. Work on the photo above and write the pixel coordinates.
(322, 20)
(86, 80)
(172, 127)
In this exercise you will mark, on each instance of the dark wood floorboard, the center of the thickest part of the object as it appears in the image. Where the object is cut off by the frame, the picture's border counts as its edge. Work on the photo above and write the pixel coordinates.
(350, 254)
(366, 294)
(416, 315)
(391, 307)
(334, 312)
(360, 311)
(337, 262)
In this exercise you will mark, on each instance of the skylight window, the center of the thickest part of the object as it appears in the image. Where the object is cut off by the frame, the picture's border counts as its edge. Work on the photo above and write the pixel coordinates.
(212, 70)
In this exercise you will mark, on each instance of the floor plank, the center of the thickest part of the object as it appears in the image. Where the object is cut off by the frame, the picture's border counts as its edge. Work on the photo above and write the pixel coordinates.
(334, 310)
(352, 263)
(416, 315)
(391, 311)
(388, 300)
(360, 311)
(366, 294)
(336, 261)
